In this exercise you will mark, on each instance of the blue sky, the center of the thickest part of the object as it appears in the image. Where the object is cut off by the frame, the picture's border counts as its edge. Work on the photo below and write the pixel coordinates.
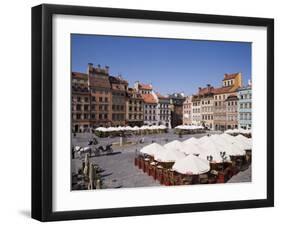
(171, 65)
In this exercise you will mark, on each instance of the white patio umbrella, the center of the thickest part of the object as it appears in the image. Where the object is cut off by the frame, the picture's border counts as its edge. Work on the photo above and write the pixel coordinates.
(203, 139)
(229, 131)
(191, 148)
(170, 155)
(227, 136)
(214, 150)
(244, 131)
(136, 128)
(191, 140)
(111, 129)
(229, 147)
(101, 129)
(243, 141)
(175, 145)
(238, 141)
(180, 127)
(152, 149)
(162, 127)
(144, 127)
(128, 128)
(191, 164)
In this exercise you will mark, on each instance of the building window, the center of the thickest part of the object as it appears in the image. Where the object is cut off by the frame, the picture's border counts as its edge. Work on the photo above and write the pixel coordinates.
(78, 107)
(100, 99)
(100, 116)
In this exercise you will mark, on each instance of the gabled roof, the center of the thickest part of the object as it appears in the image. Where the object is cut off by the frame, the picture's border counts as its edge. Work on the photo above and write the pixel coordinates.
(230, 76)
(79, 75)
(145, 86)
(206, 90)
(117, 80)
(161, 96)
(221, 90)
(149, 98)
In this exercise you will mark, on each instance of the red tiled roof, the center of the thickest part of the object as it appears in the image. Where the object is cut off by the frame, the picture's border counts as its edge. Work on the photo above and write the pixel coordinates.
(161, 96)
(223, 90)
(232, 97)
(79, 75)
(149, 98)
(206, 90)
(117, 80)
(230, 76)
(145, 86)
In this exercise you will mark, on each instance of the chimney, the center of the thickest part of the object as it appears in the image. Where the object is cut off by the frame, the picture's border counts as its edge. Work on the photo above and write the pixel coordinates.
(136, 85)
(208, 87)
(106, 69)
(225, 75)
(90, 69)
(199, 89)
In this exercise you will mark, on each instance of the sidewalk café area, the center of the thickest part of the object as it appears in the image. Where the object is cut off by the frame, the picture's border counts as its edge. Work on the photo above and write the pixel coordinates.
(207, 160)
(143, 130)
(189, 129)
(235, 132)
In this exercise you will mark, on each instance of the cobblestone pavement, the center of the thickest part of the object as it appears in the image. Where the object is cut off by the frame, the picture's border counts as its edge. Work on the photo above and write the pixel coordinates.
(119, 168)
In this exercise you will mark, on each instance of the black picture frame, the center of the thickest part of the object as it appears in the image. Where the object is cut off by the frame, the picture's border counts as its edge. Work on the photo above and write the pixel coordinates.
(42, 111)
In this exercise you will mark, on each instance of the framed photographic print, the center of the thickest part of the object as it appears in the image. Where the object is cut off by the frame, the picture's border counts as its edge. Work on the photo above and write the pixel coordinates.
(146, 112)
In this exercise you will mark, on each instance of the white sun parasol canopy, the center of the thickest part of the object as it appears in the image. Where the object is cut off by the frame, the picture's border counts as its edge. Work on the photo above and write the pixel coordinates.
(247, 142)
(174, 145)
(191, 165)
(191, 148)
(214, 150)
(170, 155)
(191, 140)
(244, 143)
(228, 146)
(203, 139)
(153, 149)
